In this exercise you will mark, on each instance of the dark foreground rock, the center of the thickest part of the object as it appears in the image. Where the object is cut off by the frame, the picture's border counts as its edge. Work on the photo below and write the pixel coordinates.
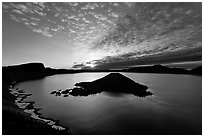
(14, 120)
(12, 75)
(114, 82)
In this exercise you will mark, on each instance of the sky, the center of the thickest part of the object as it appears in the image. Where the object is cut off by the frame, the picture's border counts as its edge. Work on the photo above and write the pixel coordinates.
(101, 35)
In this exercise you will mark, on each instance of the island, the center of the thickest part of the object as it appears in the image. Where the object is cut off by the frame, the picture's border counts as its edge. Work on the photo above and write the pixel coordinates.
(113, 82)
(16, 122)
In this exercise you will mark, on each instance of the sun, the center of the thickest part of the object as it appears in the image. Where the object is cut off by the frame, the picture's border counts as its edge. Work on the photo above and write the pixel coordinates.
(90, 65)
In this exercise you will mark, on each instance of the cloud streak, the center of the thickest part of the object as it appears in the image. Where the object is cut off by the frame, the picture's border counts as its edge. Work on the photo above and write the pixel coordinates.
(168, 28)
(67, 15)
(117, 32)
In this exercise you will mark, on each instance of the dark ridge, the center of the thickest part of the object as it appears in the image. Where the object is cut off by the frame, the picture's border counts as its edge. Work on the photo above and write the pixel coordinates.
(159, 69)
(14, 120)
(31, 71)
(196, 71)
(164, 70)
(23, 72)
(28, 67)
(113, 82)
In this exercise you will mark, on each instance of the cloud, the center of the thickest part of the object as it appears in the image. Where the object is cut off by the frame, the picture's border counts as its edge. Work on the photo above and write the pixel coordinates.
(18, 11)
(153, 36)
(43, 32)
(100, 17)
(21, 7)
(78, 66)
(40, 4)
(146, 25)
(40, 13)
(119, 31)
(119, 62)
(5, 6)
(90, 6)
(129, 4)
(116, 4)
(85, 20)
(114, 14)
(14, 18)
(67, 15)
(73, 4)
(35, 19)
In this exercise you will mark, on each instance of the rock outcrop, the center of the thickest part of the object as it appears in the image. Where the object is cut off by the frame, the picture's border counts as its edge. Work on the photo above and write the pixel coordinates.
(113, 82)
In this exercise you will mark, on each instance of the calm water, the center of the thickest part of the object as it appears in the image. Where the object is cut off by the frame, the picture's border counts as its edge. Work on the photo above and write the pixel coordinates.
(175, 107)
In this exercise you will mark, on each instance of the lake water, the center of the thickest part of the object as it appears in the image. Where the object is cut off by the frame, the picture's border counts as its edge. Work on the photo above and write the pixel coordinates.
(175, 107)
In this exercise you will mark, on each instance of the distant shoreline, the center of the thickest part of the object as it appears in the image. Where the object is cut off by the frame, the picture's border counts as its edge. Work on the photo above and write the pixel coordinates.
(12, 75)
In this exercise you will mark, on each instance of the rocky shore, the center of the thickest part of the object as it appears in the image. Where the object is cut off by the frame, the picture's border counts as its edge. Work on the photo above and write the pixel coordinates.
(21, 118)
(18, 121)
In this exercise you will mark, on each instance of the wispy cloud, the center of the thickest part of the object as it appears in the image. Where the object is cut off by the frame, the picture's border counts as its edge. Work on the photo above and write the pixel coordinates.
(43, 31)
(119, 31)
(157, 24)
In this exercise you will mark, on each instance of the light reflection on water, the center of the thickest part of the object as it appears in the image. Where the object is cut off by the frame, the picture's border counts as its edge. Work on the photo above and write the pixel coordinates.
(175, 107)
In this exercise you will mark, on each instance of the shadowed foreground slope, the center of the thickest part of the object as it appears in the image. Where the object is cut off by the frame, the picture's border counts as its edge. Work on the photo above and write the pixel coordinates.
(14, 120)
(113, 82)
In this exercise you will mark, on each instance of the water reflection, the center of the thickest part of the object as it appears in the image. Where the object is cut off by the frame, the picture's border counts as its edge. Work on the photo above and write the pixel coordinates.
(175, 108)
